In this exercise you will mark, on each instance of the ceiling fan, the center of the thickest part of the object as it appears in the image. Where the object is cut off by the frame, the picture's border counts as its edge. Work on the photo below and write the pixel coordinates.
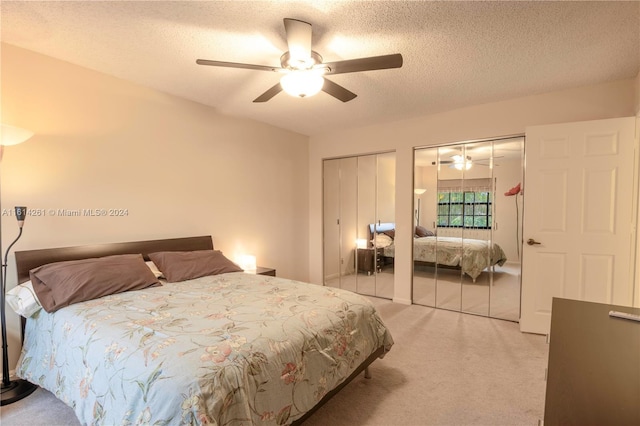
(460, 162)
(303, 69)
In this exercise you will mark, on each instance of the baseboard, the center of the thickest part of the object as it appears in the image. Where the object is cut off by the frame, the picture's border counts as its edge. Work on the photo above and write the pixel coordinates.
(402, 301)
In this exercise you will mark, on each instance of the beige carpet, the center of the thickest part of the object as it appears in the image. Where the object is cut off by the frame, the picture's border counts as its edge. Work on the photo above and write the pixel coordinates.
(446, 368)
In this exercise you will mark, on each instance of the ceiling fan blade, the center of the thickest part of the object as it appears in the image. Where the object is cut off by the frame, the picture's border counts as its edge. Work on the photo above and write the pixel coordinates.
(337, 91)
(298, 38)
(269, 93)
(488, 158)
(237, 65)
(364, 64)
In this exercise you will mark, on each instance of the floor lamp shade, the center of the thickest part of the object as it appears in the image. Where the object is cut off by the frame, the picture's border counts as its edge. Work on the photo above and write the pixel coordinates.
(21, 214)
(11, 135)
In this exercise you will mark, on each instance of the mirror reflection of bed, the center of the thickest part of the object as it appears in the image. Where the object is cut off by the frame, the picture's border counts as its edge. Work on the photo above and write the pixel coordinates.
(462, 192)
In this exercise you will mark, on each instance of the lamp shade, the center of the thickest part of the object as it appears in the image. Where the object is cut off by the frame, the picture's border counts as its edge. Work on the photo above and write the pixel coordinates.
(11, 135)
(302, 83)
(246, 261)
(21, 213)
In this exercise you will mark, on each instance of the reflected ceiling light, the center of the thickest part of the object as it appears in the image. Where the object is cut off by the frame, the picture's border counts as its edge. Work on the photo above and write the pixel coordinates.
(459, 162)
(302, 83)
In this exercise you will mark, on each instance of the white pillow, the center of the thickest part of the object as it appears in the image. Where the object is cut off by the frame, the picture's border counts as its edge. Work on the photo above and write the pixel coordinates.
(154, 269)
(383, 240)
(23, 300)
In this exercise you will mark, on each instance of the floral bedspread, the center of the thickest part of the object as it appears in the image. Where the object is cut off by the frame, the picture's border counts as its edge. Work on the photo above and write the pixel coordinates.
(228, 349)
(472, 256)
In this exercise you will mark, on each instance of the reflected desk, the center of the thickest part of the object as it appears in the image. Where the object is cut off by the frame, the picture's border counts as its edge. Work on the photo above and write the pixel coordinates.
(369, 259)
(594, 366)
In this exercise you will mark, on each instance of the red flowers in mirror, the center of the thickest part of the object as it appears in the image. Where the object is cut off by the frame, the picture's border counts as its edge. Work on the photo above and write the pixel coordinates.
(513, 191)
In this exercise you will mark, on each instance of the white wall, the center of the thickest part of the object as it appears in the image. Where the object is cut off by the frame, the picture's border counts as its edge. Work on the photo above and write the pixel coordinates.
(511, 117)
(178, 167)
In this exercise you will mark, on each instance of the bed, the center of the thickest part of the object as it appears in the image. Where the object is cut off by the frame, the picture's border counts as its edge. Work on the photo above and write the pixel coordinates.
(232, 348)
(469, 255)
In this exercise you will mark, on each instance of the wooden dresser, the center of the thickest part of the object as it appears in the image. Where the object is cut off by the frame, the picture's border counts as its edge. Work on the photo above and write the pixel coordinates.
(593, 374)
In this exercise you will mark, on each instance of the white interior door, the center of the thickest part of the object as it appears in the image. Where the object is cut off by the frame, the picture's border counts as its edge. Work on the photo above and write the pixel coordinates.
(578, 213)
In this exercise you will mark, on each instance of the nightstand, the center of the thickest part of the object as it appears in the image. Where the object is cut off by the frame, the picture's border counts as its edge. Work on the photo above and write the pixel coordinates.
(260, 270)
(366, 261)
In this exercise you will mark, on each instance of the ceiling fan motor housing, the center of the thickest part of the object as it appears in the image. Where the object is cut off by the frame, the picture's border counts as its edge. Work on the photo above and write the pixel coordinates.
(290, 63)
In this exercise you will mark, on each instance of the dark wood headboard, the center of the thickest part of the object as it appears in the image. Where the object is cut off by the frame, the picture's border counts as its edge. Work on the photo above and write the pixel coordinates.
(378, 228)
(29, 259)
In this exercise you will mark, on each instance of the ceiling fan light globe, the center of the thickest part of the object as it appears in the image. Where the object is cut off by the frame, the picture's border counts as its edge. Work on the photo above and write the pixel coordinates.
(302, 84)
(459, 166)
(460, 162)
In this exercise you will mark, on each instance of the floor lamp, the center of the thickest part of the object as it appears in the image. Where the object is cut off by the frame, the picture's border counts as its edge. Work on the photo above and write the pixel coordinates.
(516, 190)
(12, 390)
(418, 192)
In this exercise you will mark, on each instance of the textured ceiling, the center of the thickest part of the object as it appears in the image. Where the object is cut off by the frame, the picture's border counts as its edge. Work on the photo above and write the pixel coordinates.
(455, 53)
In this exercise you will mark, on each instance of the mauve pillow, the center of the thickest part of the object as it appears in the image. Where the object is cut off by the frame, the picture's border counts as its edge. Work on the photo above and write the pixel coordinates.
(64, 283)
(186, 265)
(421, 231)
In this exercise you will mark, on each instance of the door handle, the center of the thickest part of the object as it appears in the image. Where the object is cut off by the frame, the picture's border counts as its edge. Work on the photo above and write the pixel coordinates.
(531, 242)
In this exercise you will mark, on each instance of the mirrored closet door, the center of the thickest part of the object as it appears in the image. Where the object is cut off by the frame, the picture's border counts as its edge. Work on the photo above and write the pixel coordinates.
(468, 211)
(359, 223)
